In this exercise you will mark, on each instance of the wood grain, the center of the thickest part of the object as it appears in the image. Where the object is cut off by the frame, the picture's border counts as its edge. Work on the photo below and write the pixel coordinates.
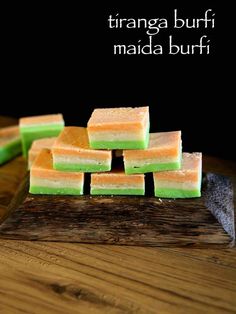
(143, 221)
(71, 278)
(37, 277)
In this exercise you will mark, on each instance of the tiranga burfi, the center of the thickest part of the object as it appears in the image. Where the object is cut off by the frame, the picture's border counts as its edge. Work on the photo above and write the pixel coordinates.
(119, 128)
(117, 182)
(46, 180)
(182, 183)
(10, 143)
(33, 128)
(37, 146)
(163, 153)
(71, 152)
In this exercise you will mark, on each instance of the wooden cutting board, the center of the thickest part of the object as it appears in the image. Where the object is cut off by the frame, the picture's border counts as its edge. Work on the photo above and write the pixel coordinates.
(125, 220)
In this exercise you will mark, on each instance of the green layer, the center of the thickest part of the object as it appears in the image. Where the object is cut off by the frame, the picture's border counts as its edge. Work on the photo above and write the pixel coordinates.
(80, 167)
(177, 193)
(141, 144)
(55, 191)
(119, 145)
(32, 134)
(10, 150)
(153, 167)
(117, 191)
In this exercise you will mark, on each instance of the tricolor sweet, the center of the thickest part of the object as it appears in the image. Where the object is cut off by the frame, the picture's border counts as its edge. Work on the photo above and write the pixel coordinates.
(163, 153)
(117, 182)
(33, 128)
(183, 183)
(71, 152)
(119, 128)
(37, 146)
(10, 143)
(46, 180)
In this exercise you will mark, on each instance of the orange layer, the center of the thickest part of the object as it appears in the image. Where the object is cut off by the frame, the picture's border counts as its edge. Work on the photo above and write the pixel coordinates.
(8, 133)
(50, 118)
(191, 164)
(116, 177)
(151, 153)
(160, 145)
(130, 119)
(177, 176)
(43, 168)
(74, 141)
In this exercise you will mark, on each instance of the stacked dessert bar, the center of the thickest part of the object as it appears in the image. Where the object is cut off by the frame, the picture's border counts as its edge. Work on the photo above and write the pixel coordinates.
(59, 156)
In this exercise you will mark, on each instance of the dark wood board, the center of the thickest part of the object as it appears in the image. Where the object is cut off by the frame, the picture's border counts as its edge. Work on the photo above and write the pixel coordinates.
(144, 221)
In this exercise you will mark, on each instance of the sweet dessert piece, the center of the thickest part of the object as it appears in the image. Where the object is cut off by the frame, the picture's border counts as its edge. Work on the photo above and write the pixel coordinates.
(163, 153)
(33, 128)
(182, 183)
(119, 128)
(117, 182)
(37, 146)
(46, 180)
(10, 143)
(71, 152)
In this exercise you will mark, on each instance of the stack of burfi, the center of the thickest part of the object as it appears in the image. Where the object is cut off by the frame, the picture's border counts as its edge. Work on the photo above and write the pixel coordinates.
(118, 128)
(79, 150)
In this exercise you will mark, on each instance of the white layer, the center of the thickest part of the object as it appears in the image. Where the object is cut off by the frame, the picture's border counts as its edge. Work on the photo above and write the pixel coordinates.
(117, 136)
(146, 162)
(79, 160)
(117, 186)
(54, 183)
(176, 185)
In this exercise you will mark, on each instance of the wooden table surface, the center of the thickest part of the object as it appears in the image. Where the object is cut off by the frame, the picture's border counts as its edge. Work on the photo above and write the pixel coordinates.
(37, 277)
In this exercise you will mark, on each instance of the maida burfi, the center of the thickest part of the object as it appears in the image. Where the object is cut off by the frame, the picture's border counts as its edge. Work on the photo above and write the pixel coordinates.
(163, 153)
(183, 183)
(46, 180)
(37, 146)
(117, 182)
(119, 128)
(33, 128)
(10, 143)
(71, 152)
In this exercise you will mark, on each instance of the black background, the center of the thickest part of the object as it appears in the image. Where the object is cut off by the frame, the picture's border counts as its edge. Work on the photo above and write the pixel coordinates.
(60, 59)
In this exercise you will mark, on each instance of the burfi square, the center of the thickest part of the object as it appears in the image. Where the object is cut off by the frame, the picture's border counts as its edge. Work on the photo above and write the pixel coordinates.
(117, 182)
(10, 143)
(119, 128)
(164, 152)
(71, 152)
(37, 146)
(46, 180)
(183, 183)
(33, 128)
